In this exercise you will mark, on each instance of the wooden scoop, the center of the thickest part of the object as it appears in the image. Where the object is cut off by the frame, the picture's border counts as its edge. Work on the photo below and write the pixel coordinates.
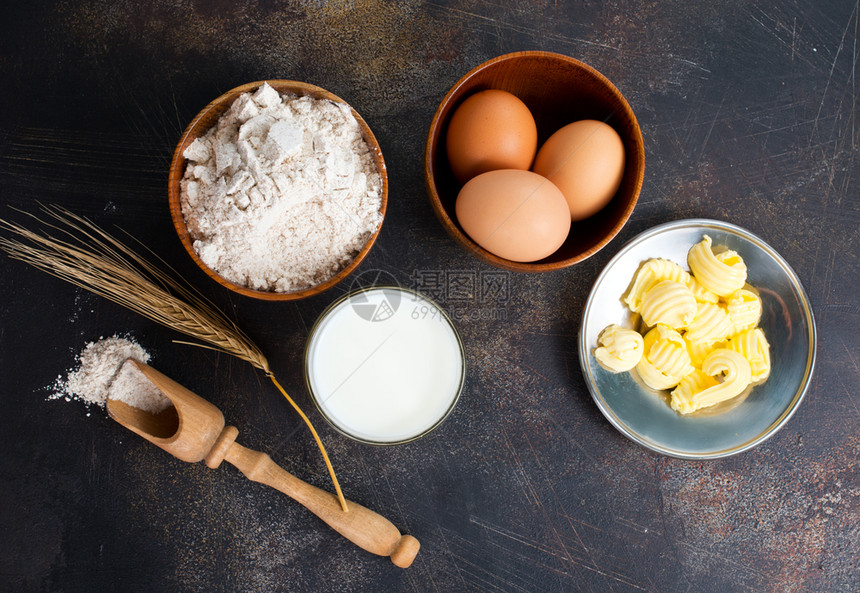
(192, 429)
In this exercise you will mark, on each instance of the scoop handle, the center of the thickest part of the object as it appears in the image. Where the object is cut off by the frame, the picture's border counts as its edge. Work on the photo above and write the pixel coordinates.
(360, 525)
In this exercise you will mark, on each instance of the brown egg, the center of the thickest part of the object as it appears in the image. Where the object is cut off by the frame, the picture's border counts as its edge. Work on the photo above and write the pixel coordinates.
(585, 160)
(490, 130)
(517, 215)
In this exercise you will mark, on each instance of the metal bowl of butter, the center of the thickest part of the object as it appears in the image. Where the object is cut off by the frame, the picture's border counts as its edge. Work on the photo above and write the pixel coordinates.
(642, 414)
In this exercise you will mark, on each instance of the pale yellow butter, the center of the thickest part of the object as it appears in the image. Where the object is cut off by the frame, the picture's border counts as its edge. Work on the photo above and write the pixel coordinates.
(620, 348)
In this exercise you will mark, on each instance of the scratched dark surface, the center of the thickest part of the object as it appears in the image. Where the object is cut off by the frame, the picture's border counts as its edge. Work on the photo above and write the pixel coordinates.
(749, 114)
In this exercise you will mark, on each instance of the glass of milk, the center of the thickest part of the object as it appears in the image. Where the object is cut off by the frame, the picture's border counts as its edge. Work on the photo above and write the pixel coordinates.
(384, 365)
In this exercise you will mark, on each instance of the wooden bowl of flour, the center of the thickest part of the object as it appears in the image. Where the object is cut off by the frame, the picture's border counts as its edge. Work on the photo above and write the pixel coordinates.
(210, 117)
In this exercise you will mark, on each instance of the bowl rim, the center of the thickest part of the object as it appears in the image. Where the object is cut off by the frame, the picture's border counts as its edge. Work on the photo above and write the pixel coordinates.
(451, 226)
(177, 170)
(791, 407)
(313, 333)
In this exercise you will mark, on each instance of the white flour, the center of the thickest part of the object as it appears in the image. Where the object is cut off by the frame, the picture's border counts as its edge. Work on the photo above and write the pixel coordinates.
(98, 374)
(132, 387)
(282, 192)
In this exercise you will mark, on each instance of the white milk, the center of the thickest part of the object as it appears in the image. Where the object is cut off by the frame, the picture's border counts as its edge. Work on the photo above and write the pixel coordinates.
(385, 365)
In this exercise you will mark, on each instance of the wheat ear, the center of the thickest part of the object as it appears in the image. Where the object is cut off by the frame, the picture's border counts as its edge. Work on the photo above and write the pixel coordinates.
(83, 254)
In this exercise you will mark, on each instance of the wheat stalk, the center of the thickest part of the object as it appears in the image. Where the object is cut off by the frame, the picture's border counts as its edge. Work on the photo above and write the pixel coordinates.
(83, 254)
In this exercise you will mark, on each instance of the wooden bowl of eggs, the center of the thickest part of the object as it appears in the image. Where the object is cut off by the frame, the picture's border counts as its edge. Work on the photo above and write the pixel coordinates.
(534, 161)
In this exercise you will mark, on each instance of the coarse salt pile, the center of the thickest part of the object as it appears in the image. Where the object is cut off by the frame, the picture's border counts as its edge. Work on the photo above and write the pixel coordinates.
(282, 193)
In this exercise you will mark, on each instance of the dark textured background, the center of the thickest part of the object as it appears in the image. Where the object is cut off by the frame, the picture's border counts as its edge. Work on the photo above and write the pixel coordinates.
(749, 114)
